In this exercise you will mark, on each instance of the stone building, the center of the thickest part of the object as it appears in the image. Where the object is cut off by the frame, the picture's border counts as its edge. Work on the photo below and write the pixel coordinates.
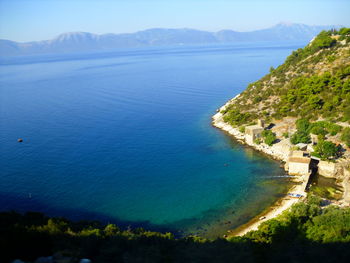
(327, 169)
(261, 123)
(253, 132)
(299, 163)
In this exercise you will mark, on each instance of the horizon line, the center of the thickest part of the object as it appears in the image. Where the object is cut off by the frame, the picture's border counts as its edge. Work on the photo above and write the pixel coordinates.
(286, 23)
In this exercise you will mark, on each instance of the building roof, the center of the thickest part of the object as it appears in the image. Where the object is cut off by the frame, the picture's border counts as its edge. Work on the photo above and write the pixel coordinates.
(297, 154)
(299, 160)
(301, 145)
(254, 127)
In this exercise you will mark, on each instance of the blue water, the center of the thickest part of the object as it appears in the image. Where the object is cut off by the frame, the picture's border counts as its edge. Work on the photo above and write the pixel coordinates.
(126, 136)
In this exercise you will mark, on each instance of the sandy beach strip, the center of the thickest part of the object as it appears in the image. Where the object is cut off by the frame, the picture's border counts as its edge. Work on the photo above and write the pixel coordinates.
(278, 208)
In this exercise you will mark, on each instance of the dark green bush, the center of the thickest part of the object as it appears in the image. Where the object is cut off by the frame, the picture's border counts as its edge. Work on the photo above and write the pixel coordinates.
(326, 150)
(269, 137)
(345, 137)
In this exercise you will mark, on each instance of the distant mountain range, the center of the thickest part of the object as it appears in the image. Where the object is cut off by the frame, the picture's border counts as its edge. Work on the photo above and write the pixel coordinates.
(85, 42)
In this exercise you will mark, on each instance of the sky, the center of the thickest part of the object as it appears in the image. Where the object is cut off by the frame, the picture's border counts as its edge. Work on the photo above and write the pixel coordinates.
(31, 20)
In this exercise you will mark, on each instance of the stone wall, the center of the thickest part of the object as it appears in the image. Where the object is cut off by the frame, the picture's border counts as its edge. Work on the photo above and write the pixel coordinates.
(327, 169)
(298, 168)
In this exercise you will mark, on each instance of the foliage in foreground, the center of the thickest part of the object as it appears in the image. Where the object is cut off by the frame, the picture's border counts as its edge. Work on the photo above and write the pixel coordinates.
(306, 233)
(306, 220)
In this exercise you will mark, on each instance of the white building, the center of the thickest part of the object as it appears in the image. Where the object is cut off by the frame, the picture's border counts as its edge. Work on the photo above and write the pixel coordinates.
(298, 163)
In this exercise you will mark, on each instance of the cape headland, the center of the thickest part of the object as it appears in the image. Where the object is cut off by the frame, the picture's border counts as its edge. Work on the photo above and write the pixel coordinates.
(299, 114)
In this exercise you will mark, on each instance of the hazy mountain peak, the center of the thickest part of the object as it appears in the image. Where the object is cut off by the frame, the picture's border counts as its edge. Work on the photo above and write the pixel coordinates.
(74, 36)
(87, 42)
(286, 24)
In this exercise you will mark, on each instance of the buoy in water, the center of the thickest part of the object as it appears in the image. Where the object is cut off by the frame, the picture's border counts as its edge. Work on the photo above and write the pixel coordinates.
(20, 140)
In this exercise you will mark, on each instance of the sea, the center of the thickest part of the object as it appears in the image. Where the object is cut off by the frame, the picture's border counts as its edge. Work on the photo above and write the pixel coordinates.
(125, 137)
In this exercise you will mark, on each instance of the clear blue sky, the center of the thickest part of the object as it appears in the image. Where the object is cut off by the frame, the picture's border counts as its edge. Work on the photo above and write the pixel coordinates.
(26, 20)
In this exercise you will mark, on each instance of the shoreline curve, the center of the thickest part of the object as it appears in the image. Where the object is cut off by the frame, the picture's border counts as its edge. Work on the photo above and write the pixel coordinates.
(274, 152)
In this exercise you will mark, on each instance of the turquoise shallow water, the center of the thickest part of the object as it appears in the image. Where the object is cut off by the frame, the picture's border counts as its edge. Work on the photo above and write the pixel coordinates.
(126, 136)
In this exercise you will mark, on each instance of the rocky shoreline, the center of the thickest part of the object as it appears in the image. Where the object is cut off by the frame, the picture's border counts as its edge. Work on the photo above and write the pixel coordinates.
(278, 151)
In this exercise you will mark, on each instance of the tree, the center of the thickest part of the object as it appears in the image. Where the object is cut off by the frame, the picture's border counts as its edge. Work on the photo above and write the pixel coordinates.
(111, 229)
(269, 137)
(326, 150)
(318, 130)
(315, 102)
(345, 137)
(323, 40)
(332, 226)
(300, 137)
(346, 86)
(344, 31)
(303, 125)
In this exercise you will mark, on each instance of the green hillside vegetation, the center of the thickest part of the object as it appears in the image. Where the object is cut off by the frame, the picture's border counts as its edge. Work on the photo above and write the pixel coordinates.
(313, 82)
(269, 137)
(324, 149)
(319, 128)
(345, 137)
(305, 233)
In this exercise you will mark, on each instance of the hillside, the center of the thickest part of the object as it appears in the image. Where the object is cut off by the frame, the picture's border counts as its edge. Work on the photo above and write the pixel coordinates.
(313, 82)
(87, 42)
(305, 102)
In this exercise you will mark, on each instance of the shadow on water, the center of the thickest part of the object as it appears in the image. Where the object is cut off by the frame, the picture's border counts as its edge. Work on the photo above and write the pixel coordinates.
(22, 205)
(22, 238)
(212, 223)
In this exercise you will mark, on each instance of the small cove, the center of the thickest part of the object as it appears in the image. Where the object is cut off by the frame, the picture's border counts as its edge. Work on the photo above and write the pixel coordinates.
(128, 138)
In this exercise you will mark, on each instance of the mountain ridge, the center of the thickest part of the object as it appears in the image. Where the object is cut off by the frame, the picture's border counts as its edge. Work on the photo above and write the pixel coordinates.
(72, 42)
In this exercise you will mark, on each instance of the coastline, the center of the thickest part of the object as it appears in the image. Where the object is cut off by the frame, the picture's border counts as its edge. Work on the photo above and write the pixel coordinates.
(281, 205)
(277, 152)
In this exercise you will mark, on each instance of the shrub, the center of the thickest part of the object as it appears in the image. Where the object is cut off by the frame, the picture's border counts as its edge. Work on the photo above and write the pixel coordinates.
(345, 137)
(324, 127)
(300, 137)
(326, 150)
(269, 137)
(344, 31)
(302, 125)
(333, 128)
(323, 40)
(330, 226)
(257, 141)
(318, 130)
